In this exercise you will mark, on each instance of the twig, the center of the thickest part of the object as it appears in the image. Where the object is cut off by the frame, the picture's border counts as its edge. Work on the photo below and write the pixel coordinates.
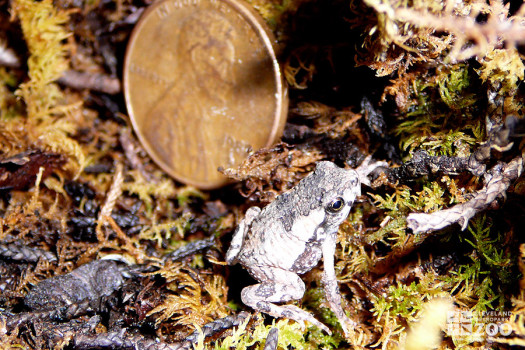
(214, 327)
(91, 81)
(272, 340)
(367, 167)
(423, 164)
(56, 314)
(18, 252)
(499, 139)
(190, 249)
(114, 192)
(131, 152)
(497, 181)
(120, 340)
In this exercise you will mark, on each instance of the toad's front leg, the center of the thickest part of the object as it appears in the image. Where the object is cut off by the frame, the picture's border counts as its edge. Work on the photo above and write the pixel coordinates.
(330, 285)
(240, 234)
(285, 287)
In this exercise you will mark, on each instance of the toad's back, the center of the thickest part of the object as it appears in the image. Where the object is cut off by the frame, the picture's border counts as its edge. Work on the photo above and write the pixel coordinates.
(288, 233)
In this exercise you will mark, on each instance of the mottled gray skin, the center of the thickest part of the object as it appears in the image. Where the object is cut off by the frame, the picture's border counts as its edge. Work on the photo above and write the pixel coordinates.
(289, 237)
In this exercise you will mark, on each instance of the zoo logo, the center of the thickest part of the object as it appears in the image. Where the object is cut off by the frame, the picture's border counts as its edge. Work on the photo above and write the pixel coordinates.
(466, 323)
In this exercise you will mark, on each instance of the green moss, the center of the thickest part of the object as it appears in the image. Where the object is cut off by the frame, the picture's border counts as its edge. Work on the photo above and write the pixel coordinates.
(503, 68)
(314, 299)
(44, 30)
(401, 302)
(290, 335)
(149, 191)
(320, 340)
(162, 232)
(431, 133)
(454, 84)
(490, 249)
(187, 193)
(10, 107)
(465, 280)
(495, 256)
(272, 10)
(443, 119)
(484, 282)
(433, 196)
(395, 227)
(50, 119)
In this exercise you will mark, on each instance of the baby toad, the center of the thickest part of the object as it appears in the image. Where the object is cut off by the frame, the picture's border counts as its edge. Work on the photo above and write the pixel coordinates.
(288, 238)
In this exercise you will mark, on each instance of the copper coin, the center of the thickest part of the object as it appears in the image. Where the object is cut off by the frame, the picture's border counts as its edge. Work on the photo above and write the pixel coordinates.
(203, 87)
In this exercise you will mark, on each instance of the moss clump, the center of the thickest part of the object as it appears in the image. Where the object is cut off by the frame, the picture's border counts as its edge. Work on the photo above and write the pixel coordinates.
(45, 32)
(490, 275)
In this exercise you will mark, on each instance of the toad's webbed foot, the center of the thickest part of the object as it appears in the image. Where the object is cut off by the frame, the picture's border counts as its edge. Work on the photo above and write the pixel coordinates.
(263, 296)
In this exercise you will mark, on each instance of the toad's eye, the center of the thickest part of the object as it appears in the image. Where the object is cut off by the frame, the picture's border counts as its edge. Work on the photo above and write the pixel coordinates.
(336, 205)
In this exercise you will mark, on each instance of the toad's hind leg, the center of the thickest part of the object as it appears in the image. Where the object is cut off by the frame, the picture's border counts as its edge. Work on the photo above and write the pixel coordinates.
(288, 286)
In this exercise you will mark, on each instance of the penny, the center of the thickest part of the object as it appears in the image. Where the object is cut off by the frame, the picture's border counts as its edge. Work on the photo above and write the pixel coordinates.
(203, 87)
